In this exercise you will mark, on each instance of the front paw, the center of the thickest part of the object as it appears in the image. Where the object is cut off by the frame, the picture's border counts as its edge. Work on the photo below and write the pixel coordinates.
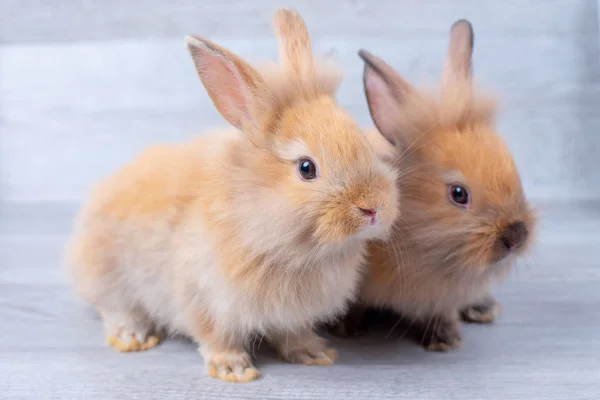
(484, 312)
(124, 343)
(307, 348)
(443, 335)
(231, 366)
(311, 356)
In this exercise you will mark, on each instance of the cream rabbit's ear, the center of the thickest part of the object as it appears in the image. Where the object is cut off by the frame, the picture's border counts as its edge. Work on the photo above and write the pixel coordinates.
(386, 93)
(295, 52)
(236, 89)
(458, 65)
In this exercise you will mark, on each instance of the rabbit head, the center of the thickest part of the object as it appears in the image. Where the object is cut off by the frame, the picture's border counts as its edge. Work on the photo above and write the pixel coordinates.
(462, 199)
(306, 160)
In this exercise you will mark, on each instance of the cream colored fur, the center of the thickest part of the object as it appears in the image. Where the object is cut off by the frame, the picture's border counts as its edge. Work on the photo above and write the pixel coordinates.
(220, 239)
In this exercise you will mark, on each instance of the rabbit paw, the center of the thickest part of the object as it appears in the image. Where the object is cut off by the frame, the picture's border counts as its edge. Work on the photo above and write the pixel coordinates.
(231, 366)
(306, 348)
(484, 312)
(443, 335)
(131, 341)
(128, 332)
(316, 356)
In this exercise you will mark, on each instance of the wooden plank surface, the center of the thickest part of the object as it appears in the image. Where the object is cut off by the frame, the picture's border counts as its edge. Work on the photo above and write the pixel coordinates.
(545, 346)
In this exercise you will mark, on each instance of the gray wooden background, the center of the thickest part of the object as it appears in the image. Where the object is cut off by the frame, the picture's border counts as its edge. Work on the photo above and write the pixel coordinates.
(84, 85)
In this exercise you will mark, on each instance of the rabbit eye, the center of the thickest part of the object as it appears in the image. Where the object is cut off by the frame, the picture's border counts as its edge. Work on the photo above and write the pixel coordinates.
(458, 195)
(307, 169)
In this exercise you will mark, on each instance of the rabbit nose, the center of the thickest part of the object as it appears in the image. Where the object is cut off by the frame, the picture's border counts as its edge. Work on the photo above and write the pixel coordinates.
(514, 235)
(369, 212)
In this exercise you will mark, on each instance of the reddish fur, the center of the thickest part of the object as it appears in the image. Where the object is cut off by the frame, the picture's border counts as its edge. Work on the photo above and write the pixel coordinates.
(442, 257)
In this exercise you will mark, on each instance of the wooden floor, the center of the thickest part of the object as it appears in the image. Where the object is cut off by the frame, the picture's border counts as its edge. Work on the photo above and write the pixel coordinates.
(546, 345)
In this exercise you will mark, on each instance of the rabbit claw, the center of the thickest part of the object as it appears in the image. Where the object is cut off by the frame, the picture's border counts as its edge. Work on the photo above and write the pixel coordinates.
(121, 343)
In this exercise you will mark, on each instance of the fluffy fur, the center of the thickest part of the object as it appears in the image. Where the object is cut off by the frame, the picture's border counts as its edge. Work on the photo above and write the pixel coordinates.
(442, 258)
(220, 238)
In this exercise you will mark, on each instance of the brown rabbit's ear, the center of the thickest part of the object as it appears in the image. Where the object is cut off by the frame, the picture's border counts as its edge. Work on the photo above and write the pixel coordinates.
(236, 89)
(458, 65)
(295, 52)
(386, 93)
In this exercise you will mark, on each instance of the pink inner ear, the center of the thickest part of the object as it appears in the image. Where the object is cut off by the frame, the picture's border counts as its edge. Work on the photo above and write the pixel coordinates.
(381, 103)
(224, 86)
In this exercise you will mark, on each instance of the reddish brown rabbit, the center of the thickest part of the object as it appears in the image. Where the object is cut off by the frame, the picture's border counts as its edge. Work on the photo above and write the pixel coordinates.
(261, 229)
(464, 216)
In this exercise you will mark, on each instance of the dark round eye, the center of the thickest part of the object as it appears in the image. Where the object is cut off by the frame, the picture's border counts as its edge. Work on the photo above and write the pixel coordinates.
(458, 195)
(307, 169)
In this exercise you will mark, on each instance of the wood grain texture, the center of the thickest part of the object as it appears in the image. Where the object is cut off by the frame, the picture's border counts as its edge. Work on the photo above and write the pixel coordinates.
(545, 346)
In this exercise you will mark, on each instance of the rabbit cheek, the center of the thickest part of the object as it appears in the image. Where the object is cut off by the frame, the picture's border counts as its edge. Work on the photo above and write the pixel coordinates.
(476, 251)
(336, 224)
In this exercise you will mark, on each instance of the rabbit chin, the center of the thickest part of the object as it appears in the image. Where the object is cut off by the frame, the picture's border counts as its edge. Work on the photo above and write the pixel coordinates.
(494, 271)
(372, 231)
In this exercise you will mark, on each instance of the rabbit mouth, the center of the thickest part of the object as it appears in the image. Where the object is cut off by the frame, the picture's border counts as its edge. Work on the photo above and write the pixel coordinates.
(370, 220)
(371, 228)
(504, 252)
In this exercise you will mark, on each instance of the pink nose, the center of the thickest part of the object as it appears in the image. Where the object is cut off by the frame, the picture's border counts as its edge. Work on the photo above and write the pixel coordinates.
(369, 212)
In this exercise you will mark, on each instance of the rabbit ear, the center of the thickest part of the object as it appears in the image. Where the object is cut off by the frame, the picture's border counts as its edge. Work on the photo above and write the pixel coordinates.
(457, 67)
(386, 92)
(235, 88)
(295, 51)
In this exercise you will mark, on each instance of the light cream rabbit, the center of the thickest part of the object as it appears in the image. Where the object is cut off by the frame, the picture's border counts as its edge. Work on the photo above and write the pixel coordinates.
(259, 230)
